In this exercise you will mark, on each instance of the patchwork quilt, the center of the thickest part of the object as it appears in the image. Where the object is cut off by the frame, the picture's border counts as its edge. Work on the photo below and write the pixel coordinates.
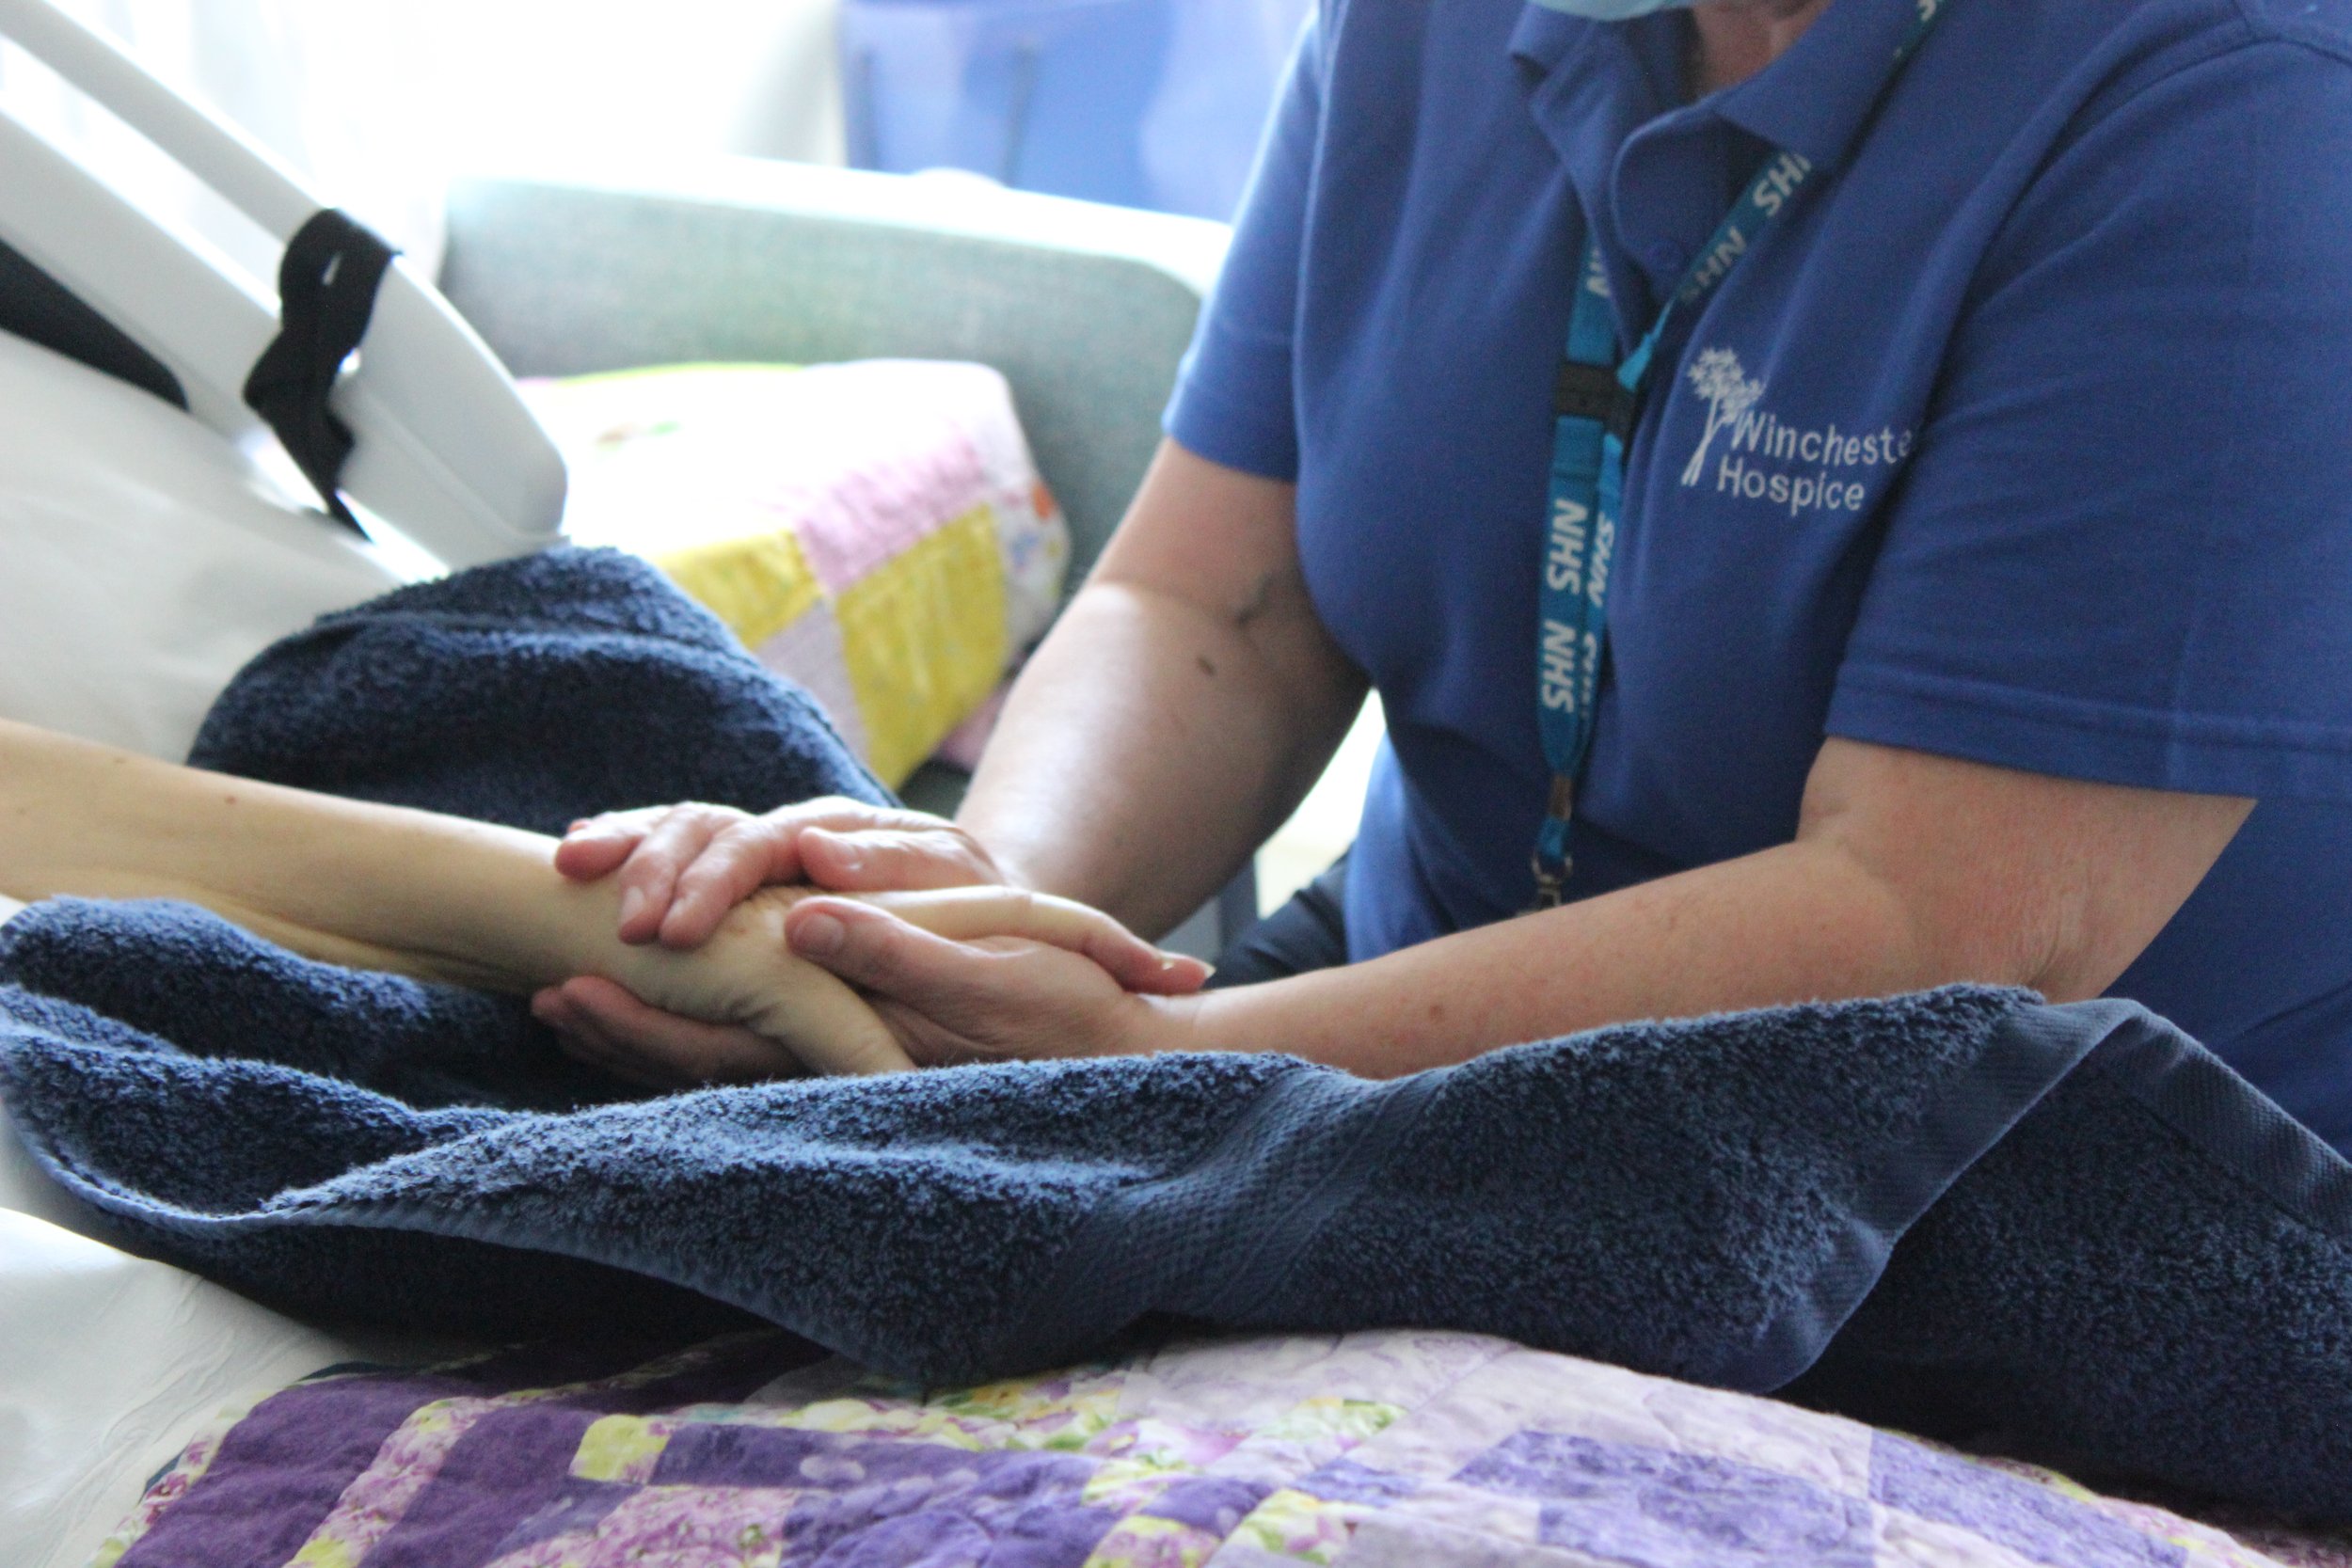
(875, 531)
(1395, 1449)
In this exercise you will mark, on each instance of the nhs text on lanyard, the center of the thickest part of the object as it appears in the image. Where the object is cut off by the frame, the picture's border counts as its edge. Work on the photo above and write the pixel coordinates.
(1597, 401)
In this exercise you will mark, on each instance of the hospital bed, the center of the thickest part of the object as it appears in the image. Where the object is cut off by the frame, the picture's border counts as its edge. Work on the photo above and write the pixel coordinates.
(110, 1363)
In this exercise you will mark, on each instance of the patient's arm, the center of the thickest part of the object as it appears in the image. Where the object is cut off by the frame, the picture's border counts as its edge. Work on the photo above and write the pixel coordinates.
(438, 897)
(380, 887)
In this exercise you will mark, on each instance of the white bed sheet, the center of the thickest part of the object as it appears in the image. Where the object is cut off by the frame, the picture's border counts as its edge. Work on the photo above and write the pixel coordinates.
(110, 1364)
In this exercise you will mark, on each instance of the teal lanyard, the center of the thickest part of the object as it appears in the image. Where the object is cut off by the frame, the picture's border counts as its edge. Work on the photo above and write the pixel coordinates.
(1596, 402)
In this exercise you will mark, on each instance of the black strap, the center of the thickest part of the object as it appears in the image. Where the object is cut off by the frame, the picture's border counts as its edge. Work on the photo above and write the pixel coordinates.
(1593, 392)
(326, 294)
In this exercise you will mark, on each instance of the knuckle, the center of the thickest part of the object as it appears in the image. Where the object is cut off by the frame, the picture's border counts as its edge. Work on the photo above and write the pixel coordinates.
(737, 841)
(898, 848)
(655, 857)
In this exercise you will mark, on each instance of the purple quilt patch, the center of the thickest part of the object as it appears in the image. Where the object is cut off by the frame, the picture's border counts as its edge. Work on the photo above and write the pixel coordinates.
(1212, 1503)
(280, 1470)
(2032, 1521)
(578, 1508)
(862, 1492)
(1343, 1481)
(1661, 1509)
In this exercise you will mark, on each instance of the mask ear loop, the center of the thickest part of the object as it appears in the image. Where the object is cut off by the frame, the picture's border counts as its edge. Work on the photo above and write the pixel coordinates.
(1614, 11)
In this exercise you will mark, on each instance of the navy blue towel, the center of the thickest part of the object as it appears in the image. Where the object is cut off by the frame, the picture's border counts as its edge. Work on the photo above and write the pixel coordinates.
(2069, 1228)
(532, 692)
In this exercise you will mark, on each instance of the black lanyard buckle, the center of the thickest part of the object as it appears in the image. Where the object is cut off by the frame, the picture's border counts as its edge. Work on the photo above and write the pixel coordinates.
(1594, 392)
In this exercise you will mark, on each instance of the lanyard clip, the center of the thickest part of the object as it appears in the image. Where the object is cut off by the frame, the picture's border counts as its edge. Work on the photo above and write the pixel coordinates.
(1550, 884)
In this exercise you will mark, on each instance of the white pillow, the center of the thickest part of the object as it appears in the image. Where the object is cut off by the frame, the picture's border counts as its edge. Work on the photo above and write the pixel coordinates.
(143, 558)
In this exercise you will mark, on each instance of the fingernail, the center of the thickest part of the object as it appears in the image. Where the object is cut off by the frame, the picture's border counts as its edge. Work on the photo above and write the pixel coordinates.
(819, 934)
(633, 904)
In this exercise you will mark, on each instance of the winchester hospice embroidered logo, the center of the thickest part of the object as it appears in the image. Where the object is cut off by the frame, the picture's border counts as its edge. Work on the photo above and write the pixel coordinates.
(1784, 466)
(1723, 381)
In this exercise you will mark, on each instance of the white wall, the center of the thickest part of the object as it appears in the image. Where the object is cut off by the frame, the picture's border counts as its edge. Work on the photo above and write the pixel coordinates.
(379, 102)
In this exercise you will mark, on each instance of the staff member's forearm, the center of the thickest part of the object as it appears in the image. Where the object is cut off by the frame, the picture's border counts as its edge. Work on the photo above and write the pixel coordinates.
(1910, 872)
(1184, 704)
(1141, 758)
(346, 882)
(1790, 925)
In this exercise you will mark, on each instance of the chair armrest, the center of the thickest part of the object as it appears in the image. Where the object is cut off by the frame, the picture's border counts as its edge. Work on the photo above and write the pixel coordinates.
(1087, 310)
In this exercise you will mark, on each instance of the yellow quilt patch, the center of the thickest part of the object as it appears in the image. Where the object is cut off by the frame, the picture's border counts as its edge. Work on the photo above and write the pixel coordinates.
(925, 640)
(758, 584)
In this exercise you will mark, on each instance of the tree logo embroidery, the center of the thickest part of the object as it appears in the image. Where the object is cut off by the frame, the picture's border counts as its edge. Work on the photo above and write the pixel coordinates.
(1723, 383)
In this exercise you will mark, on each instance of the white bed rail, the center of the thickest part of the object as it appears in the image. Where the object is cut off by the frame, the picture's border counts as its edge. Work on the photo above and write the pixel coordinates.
(445, 451)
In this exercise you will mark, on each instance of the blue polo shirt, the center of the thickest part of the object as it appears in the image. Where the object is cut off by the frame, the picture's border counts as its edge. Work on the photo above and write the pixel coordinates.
(2025, 437)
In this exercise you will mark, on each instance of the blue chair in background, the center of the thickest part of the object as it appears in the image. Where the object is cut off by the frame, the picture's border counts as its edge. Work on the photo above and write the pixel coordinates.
(1152, 103)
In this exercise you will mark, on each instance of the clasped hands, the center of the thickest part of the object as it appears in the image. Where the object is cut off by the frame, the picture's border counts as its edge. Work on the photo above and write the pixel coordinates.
(908, 910)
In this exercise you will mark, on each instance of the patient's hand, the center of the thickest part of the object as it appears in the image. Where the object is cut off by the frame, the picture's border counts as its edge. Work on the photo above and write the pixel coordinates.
(743, 1006)
(761, 1012)
(681, 868)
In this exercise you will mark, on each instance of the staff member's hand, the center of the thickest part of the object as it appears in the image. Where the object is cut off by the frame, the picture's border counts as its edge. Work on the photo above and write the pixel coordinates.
(960, 974)
(681, 868)
(993, 998)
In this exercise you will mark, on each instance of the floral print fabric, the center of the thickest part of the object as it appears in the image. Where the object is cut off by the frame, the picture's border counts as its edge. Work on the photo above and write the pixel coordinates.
(1369, 1449)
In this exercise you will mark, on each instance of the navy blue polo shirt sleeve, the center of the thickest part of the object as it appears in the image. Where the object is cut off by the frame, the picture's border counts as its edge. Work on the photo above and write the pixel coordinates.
(1235, 398)
(2124, 550)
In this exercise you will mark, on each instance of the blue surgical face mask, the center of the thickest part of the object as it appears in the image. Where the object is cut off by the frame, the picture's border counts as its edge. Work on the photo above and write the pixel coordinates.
(1614, 11)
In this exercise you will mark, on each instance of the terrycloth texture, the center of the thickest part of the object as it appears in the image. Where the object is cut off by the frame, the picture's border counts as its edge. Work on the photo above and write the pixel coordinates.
(1707, 1200)
(1380, 1450)
(2200, 1297)
(959, 1224)
(531, 693)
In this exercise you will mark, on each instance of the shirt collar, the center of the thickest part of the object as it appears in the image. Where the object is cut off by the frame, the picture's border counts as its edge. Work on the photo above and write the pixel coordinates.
(1590, 88)
(1816, 100)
